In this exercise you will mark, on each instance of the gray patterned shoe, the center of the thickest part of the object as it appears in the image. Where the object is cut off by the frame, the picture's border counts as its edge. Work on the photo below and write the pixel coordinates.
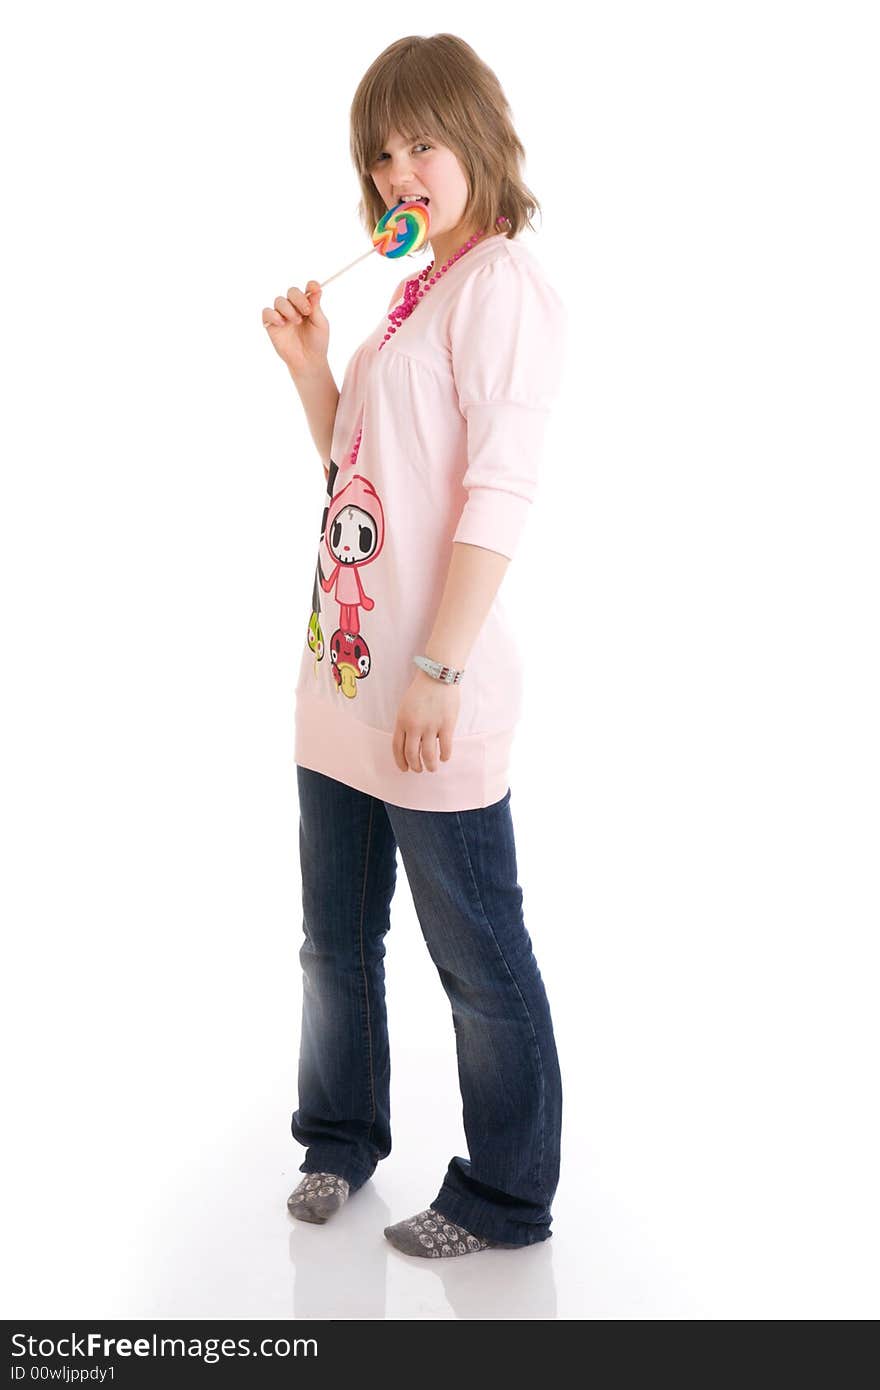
(431, 1235)
(317, 1197)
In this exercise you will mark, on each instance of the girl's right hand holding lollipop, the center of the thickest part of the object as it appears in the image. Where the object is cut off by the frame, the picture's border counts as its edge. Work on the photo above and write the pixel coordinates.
(297, 326)
(299, 331)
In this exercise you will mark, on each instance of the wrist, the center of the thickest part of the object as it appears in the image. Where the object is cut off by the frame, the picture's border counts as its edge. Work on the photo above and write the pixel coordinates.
(309, 377)
(446, 653)
(438, 671)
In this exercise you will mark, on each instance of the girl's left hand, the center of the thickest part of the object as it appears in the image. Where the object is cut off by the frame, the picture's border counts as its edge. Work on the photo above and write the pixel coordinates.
(427, 712)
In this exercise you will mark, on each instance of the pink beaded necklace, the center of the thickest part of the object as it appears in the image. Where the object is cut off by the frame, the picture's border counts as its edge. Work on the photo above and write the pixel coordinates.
(411, 296)
(412, 293)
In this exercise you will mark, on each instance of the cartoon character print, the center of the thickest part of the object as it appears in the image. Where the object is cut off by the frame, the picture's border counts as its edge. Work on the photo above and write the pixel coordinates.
(315, 637)
(315, 633)
(352, 535)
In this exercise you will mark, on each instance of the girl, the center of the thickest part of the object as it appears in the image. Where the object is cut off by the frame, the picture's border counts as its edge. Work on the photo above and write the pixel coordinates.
(430, 454)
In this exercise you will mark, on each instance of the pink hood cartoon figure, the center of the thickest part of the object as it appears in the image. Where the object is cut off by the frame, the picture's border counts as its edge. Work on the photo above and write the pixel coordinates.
(353, 536)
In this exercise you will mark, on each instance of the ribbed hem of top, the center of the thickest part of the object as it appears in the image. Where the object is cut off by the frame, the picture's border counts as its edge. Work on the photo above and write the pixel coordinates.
(336, 743)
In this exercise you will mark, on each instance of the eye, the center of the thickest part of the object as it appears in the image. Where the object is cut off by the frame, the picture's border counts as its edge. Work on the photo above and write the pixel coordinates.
(420, 146)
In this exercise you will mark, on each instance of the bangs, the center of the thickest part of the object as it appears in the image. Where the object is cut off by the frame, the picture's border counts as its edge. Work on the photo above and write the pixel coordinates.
(402, 106)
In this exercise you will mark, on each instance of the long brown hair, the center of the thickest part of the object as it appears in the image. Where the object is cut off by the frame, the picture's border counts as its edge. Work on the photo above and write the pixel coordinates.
(438, 87)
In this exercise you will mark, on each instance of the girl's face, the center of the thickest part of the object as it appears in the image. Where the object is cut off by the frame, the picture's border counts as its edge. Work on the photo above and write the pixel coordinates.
(424, 167)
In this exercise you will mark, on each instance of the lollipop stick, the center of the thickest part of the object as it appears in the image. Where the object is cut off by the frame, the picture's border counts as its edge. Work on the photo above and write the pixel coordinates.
(346, 267)
(409, 222)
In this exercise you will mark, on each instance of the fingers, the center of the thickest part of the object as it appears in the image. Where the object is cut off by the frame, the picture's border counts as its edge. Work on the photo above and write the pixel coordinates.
(414, 747)
(285, 306)
(290, 308)
(429, 752)
(397, 743)
(412, 742)
(299, 302)
(405, 746)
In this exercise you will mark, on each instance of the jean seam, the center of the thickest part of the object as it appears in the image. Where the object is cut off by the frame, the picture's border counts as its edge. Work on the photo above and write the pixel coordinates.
(541, 1077)
(364, 973)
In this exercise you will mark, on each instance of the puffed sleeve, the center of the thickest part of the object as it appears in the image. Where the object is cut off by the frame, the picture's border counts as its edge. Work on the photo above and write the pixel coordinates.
(508, 337)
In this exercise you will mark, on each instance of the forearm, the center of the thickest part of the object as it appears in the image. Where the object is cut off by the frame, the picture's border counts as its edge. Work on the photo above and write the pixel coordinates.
(320, 398)
(471, 584)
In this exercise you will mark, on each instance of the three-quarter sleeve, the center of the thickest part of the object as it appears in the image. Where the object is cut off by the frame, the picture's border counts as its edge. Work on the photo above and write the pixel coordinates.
(508, 337)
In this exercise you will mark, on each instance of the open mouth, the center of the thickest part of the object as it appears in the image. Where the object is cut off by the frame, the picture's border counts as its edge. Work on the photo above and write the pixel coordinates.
(409, 198)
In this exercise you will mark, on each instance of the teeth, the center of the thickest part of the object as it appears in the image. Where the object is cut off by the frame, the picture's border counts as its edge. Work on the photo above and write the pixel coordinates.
(408, 199)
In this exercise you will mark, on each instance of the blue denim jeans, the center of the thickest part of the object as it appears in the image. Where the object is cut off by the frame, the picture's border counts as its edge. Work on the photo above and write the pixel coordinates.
(462, 872)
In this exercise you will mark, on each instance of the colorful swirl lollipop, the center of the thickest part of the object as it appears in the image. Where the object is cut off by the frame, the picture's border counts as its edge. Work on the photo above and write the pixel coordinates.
(402, 229)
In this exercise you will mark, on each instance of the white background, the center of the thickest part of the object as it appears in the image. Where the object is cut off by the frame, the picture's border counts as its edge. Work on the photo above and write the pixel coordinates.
(695, 779)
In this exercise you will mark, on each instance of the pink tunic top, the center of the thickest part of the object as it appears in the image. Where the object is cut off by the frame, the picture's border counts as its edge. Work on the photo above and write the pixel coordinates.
(438, 438)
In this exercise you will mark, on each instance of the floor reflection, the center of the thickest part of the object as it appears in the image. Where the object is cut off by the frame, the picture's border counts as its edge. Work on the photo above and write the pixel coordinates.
(340, 1267)
(495, 1284)
(343, 1270)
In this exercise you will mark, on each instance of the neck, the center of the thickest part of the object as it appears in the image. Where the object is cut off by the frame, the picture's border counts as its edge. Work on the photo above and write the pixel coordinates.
(448, 243)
